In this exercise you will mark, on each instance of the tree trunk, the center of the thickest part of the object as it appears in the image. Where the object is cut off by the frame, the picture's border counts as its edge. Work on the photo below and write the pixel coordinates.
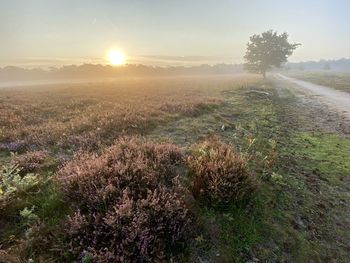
(264, 74)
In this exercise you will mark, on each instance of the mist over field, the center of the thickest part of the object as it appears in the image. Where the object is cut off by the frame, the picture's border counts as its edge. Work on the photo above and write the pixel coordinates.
(174, 131)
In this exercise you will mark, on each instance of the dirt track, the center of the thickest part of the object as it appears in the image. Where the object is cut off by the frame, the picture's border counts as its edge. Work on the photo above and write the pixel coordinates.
(325, 106)
(334, 98)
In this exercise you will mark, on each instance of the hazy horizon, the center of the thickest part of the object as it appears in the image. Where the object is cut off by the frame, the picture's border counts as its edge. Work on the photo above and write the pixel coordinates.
(165, 33)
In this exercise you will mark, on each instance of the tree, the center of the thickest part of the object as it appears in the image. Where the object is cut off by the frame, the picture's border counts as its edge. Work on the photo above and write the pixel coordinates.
(266, 51)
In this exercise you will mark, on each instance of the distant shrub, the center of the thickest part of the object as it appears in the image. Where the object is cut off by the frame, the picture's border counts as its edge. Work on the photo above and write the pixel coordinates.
(195, 108)
(220, 174)
(129, 204)
(30, 161)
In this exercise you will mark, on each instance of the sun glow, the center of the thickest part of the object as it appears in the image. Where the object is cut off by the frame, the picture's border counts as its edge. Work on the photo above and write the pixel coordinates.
(116, 57)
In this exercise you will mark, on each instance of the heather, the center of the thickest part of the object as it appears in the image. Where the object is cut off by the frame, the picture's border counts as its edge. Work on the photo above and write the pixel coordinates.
(68, 117)
(80, 183)
(220, 173)
(210, 170)
(31, 161)
(129, 203)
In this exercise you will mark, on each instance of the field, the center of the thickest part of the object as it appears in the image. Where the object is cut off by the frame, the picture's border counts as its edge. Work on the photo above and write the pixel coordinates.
(336, 80)
(140, 170)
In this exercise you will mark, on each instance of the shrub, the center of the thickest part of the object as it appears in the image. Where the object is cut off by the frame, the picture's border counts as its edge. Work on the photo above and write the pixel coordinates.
(12, 183)
(30, 161)
(28, 216)
(92, 181)
(129, 205)
(142, 230)
(220, 174)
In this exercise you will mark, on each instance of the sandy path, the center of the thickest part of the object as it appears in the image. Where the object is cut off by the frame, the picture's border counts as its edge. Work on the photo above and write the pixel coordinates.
(337, 99)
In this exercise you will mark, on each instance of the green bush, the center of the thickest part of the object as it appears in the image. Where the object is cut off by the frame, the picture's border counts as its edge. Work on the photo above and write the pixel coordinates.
(13, 184)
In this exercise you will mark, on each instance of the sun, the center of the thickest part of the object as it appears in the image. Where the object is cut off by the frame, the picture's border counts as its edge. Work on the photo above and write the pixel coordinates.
(116, 57)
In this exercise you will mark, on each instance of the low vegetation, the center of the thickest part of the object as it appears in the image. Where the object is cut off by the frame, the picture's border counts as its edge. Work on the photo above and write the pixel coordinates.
(31, 161)
(100, 184)
(213, 171)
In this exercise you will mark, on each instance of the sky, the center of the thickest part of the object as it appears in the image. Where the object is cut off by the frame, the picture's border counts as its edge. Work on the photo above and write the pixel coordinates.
(165, 32)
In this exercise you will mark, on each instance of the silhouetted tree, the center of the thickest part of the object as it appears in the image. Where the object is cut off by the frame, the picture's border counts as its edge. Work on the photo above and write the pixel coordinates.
(266, 51)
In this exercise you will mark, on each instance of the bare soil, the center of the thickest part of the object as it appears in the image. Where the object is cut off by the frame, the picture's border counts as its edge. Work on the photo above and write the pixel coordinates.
(328, 108)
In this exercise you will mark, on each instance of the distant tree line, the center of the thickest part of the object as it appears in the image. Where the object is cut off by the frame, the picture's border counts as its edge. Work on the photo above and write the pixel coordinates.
(91, 71)
(342, 65)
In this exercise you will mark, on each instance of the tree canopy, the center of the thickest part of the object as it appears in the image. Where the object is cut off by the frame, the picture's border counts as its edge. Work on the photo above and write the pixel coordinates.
(267, 50)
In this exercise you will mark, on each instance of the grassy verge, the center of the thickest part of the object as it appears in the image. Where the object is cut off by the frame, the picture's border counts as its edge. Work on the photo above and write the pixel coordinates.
(336, 80)
(308, 189)
(247, 119)
(297, 213)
